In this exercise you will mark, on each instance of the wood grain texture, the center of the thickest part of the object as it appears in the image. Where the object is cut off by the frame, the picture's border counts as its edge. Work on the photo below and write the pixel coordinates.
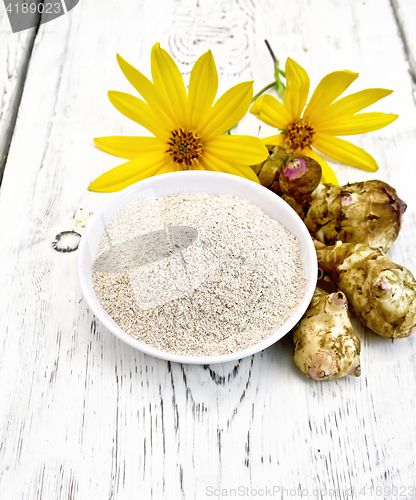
(15, 52)
(84, 416)
(405, 14)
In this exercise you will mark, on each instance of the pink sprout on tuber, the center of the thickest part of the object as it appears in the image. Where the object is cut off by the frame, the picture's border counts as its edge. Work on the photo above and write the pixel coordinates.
(294, 169)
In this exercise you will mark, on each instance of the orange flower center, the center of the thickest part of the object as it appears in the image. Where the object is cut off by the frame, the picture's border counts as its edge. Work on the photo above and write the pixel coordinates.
(299, 135)
(185, 147)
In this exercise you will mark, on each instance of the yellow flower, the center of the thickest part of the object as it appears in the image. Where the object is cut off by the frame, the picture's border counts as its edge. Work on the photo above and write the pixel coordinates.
(188, 128)
(323, 119)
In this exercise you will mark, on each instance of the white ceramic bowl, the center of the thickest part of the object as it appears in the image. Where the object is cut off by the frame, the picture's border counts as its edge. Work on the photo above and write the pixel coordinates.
(196, 181)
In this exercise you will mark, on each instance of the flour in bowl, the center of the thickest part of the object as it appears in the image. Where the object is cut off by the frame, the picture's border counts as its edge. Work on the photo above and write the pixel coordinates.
(198, 274)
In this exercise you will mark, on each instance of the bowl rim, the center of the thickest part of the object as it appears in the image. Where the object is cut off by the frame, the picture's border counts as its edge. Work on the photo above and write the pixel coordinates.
(84, 266)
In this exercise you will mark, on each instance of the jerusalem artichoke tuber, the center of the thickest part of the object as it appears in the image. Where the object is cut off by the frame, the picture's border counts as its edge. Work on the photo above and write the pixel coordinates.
(382, 293)
(288, 172)
(364, 212)
(300, 175)
(326, 346)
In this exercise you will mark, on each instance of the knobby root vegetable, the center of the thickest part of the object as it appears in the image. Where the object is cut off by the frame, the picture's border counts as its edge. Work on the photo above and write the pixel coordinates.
(300, 175)
(288, 172)
(382, 293)
(367, 212)
(326, 345)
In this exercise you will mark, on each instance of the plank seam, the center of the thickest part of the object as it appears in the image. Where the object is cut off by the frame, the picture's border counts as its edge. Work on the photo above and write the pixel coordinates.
(412, 67)
(20, 85)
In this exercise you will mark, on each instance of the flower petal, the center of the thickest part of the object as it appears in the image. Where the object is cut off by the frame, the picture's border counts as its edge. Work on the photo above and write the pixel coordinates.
(129, 147)
(328, 176)
(353, 103)
(329, 88)
(167, 169)
(211, 162)
(148, 91)
(254, 110)
(355, 124)
(271, 111)
(344, 152)
(203, 87)
(240, 149)
(130, 172)
(297, 89)
(227, 111)
(169, 82)
(276, 140)
(140, 112)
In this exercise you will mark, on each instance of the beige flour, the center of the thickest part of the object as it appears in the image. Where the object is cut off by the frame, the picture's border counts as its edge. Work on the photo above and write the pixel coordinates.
(198, 274)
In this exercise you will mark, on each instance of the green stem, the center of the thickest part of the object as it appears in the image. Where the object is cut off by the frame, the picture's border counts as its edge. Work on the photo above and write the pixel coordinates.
(280, 87)
(278, 84)
(267, 87)
(262, 91)
(271, 52)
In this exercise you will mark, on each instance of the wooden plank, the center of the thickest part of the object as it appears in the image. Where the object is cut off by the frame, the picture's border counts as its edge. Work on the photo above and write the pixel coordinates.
(15, 52)
(83, 415)
(405, 14)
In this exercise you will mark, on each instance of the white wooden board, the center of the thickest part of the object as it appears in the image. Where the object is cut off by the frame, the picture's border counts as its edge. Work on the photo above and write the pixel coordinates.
(15, 52)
